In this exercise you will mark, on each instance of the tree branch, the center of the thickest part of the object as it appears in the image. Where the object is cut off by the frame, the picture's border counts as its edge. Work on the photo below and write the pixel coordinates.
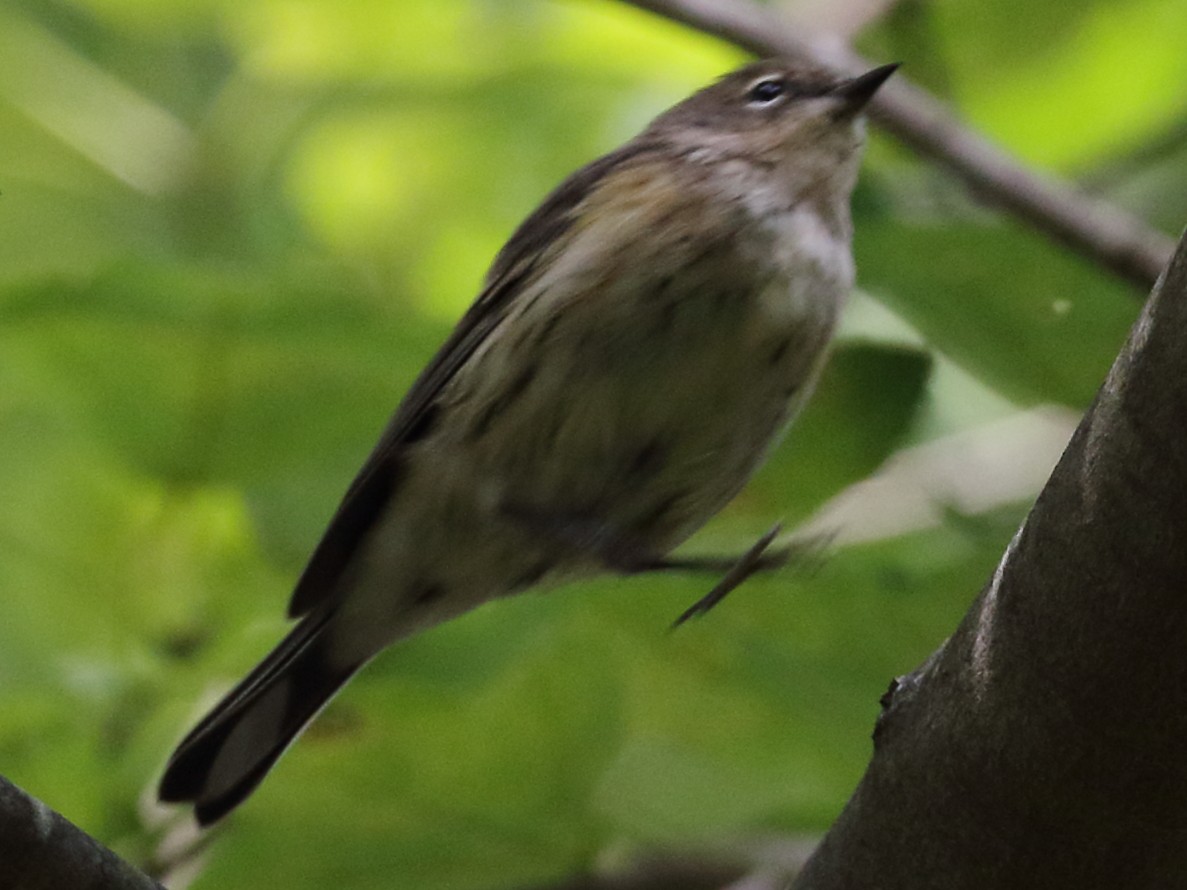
(41, 850)
(659, 874)
(1042, 745)
(1100, 231)
(753, 865)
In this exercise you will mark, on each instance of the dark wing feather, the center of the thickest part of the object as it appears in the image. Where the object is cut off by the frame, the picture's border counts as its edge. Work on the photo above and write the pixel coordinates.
(191, 761)
(369, 493)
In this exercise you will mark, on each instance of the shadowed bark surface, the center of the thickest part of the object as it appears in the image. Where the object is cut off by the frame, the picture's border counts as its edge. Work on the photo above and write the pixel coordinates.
(40, 850)
(1043, 744)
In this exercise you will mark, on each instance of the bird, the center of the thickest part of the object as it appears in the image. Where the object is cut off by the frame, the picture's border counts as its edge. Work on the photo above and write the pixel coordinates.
(637, 347)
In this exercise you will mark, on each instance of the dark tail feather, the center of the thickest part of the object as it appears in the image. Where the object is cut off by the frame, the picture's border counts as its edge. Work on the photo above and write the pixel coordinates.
(230, 751)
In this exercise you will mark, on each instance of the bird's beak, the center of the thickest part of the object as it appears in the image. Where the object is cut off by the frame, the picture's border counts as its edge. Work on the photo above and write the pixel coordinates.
(856, 92)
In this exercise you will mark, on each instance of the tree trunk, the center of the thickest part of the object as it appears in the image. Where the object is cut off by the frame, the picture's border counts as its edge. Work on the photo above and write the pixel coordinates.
(1044, 744)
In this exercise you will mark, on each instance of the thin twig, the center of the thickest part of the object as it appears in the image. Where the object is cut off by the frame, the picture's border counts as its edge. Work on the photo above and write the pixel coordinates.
(1100, 231)
(843, 18)
(761, 864)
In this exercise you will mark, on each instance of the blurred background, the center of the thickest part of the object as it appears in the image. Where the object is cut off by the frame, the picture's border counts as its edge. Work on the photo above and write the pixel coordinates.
(230, 235)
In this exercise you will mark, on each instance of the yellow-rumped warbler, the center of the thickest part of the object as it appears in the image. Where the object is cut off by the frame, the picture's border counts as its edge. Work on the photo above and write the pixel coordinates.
(637, 347)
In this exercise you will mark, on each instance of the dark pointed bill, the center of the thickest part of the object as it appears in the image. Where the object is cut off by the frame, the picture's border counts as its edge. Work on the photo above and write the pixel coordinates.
(859, 90)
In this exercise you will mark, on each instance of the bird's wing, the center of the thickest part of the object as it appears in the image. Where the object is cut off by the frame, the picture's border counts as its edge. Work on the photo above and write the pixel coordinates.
(367, 497)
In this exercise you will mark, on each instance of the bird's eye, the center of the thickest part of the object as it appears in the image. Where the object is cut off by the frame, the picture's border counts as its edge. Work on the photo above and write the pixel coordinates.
(766, 91)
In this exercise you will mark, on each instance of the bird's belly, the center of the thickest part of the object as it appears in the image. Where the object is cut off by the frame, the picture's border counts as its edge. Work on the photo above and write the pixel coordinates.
(651, 423)
(637, 417)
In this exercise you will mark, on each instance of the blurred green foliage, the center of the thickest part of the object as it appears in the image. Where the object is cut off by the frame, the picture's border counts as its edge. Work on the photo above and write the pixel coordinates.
(230, 235)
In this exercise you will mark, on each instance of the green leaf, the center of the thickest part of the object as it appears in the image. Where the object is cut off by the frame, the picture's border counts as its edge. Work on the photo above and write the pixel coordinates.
(1027, 318)
(866, 401)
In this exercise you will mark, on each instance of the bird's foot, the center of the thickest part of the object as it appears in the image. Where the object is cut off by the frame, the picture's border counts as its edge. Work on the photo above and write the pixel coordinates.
(619, 553)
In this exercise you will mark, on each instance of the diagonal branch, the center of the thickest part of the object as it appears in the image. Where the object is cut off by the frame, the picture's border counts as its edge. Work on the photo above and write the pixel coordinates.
(41, 850)
(1100, 231)
(762, 865)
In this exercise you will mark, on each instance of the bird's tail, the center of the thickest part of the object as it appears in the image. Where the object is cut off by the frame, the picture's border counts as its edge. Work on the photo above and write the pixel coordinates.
(230, 751)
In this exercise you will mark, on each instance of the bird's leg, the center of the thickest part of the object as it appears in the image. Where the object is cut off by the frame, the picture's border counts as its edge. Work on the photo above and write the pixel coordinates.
(758, 558)
(753, 560)
(620, 553)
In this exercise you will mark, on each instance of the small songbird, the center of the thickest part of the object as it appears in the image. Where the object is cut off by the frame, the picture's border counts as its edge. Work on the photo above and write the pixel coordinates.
(637, 347)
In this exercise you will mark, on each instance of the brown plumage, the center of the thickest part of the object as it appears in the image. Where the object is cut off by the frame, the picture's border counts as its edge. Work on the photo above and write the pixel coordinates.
(637, 347)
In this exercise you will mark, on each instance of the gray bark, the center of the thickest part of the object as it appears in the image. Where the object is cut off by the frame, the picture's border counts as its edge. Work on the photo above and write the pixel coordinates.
(41, 850)
(1045, 744)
